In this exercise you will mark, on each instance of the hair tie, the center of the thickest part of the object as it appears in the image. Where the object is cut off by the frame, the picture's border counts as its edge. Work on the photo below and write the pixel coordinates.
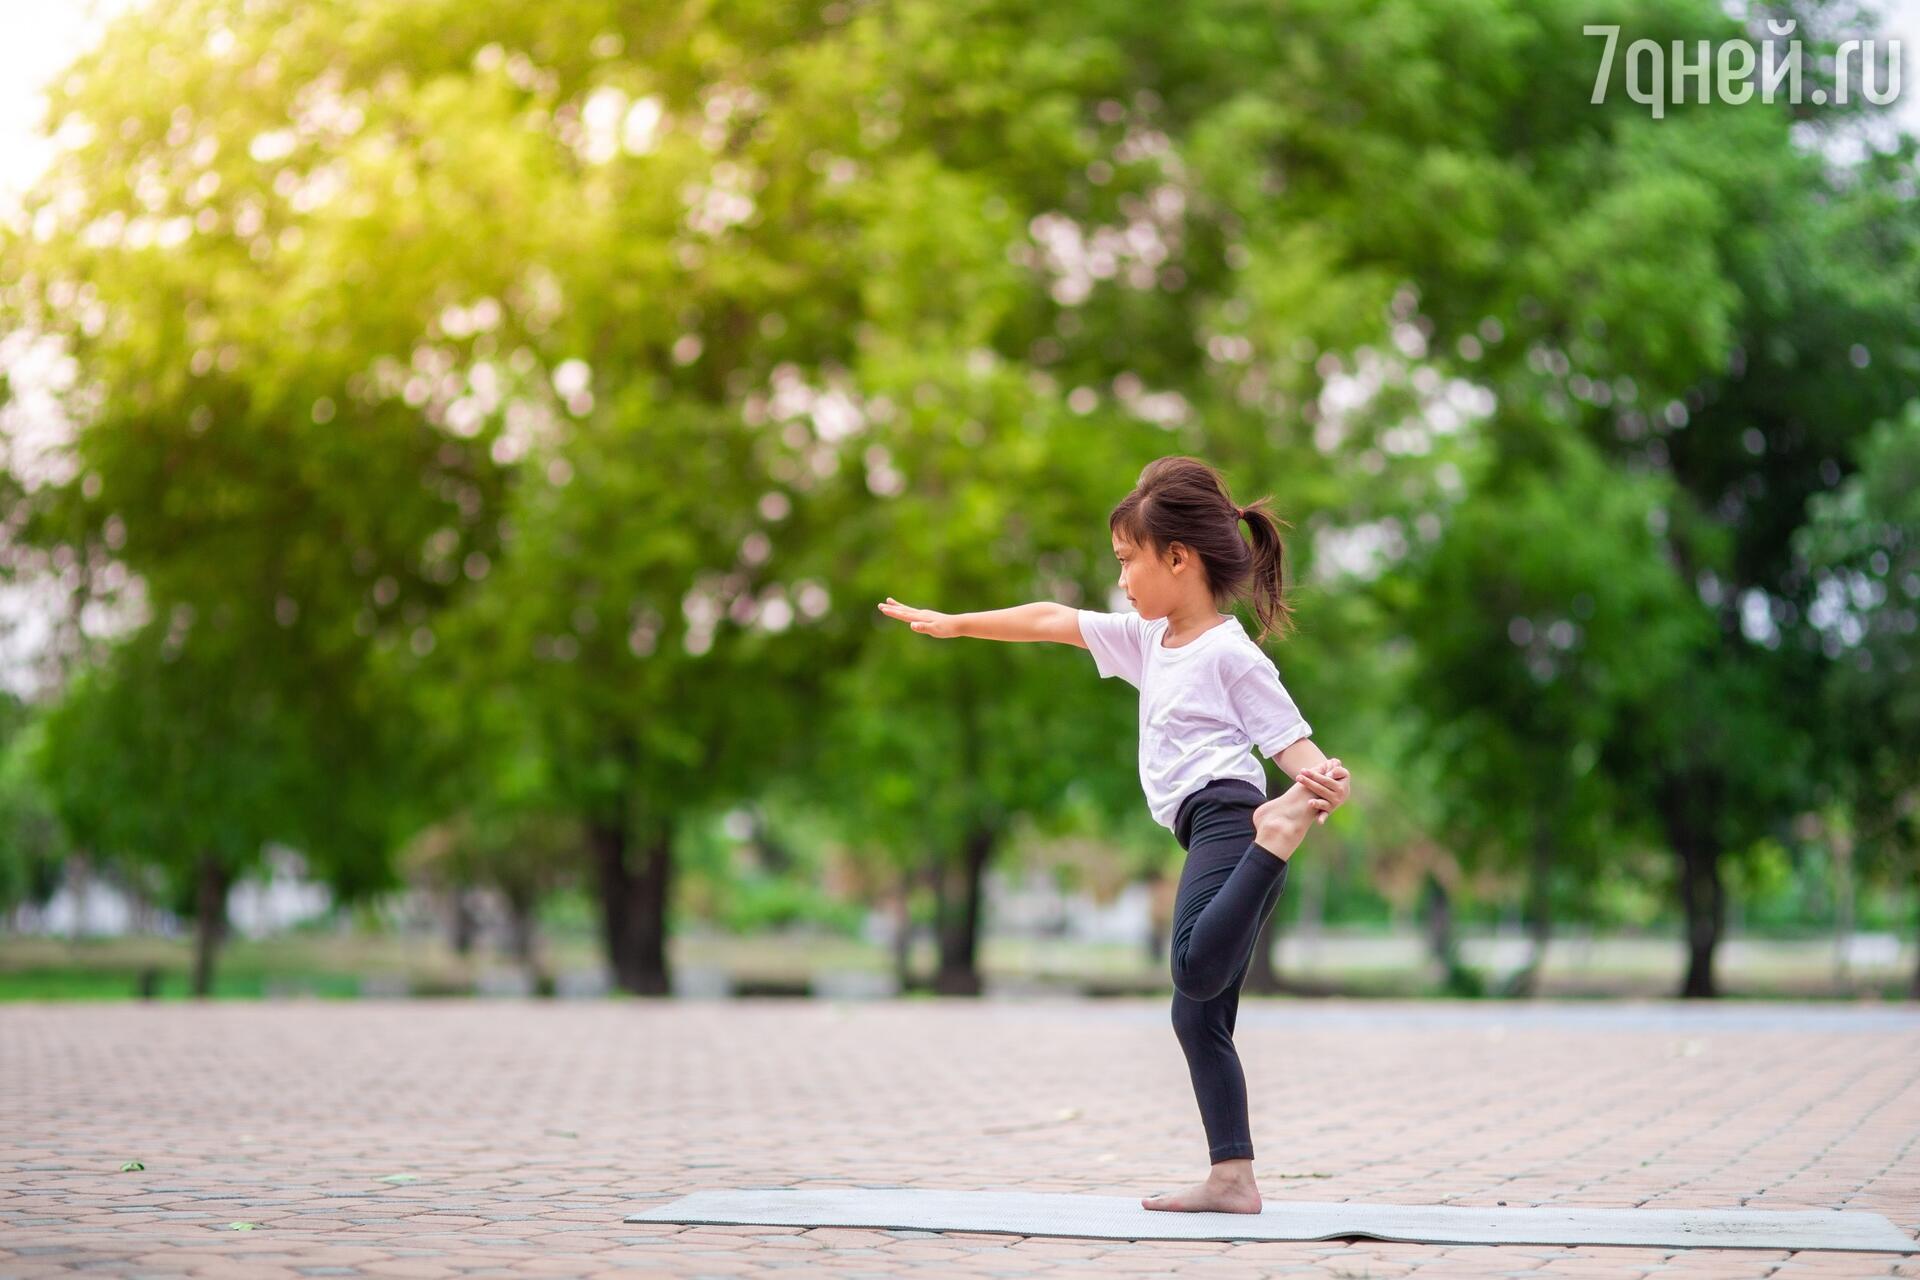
(1239, 513)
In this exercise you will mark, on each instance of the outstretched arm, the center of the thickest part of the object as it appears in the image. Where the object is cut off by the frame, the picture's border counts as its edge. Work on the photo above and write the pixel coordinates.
(1040, 620)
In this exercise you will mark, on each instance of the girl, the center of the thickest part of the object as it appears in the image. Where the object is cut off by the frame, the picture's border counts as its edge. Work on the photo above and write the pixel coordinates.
(1207, 692)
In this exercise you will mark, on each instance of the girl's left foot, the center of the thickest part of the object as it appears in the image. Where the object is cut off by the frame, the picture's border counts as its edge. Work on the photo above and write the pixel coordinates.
(1282, 823)
(1228, 1189)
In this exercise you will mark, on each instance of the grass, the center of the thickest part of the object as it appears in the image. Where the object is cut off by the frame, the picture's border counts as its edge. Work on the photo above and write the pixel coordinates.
(122, 984)
(331, 965)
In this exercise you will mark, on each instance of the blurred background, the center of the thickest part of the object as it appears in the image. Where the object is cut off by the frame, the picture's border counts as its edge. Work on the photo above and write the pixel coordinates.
(452, 454)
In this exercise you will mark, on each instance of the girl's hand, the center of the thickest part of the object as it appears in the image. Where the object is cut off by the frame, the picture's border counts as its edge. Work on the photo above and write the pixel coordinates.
(1329, 782)
(925, 621)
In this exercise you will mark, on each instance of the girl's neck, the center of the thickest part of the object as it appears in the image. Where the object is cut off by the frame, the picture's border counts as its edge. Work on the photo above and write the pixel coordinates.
(1188, 624)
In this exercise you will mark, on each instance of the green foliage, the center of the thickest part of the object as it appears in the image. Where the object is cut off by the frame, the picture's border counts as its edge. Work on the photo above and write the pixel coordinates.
(33, 843)
(1863, 545)
(498, 425)
(756, 903)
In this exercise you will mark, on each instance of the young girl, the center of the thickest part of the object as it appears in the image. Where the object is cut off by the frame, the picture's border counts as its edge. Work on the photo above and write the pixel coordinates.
(1207, 693)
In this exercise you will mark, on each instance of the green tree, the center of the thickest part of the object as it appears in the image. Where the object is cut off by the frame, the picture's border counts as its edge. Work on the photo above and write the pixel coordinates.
(154, 760)
(1406, 193)
(553, 391)
(268, 449)
(1862, 546)
(33, 845)
(1544, 628)
(629, 647)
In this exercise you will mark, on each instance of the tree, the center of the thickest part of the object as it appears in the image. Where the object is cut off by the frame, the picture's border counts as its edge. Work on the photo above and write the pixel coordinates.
(251, 479)
(521, 854)
(626, 646)
(1588, 271)
(1546, 629)
(32, 843)
(594, 366)
(1862, 546)
(156, 760)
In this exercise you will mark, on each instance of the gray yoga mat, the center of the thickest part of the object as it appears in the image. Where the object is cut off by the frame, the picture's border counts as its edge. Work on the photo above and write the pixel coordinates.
(1121, 1218)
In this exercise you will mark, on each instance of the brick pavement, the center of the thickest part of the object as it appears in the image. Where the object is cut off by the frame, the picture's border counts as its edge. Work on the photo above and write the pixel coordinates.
(530, 1129)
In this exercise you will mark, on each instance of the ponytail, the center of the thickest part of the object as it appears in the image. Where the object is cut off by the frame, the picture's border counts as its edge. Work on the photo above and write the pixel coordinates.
(1269, 581)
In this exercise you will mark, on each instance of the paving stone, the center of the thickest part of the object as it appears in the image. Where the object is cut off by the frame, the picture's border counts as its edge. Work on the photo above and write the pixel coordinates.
(1664, 1105)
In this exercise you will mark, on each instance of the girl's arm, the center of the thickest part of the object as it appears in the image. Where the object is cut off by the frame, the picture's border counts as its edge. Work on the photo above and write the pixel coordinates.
(1318, 774)
(1040, 620)
(1298, 756)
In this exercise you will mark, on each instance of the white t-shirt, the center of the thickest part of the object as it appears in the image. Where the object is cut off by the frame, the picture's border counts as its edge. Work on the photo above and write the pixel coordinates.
(1202, 705)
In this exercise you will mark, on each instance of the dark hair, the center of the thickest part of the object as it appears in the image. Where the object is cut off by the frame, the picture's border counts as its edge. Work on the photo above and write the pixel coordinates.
(1182, 499)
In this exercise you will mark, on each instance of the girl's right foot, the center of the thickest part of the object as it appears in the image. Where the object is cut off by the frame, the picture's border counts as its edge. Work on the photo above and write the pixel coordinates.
(1281, 824)
(1228, 1189)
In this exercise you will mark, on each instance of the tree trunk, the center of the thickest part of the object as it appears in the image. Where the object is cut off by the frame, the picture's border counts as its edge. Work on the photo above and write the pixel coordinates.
(903, 934)
(210, 918)
(1703, 899)
(1436, 908)
(1687, 804)
(776, 858)
(1526, 982)
(462, 923)
(651, 889)
(1705, 912)
(523, 902)
(520, 928)
(633, 907)
(957, 931)
(607, 841)
(959, 921)
(77, 878)
(1457, 977)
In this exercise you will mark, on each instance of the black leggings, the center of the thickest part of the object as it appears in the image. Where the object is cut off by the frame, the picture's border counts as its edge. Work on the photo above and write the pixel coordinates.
(1227, 889)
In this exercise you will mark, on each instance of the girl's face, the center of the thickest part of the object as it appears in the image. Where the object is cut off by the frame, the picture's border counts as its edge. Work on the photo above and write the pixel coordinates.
(1155, 585)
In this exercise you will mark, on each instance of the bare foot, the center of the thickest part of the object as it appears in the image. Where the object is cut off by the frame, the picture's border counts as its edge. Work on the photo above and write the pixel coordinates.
(1281, 823)
(1226, 1190)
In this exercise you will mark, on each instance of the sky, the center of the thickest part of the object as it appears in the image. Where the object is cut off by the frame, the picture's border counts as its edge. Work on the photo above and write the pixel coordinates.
(42, 36)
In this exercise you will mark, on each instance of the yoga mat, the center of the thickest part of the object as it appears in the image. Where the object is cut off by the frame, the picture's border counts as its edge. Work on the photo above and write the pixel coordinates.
(1121, 1218)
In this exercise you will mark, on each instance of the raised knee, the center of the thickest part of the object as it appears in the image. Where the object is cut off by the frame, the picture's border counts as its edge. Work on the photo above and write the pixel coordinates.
(1195, 986)
(1200, 995)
